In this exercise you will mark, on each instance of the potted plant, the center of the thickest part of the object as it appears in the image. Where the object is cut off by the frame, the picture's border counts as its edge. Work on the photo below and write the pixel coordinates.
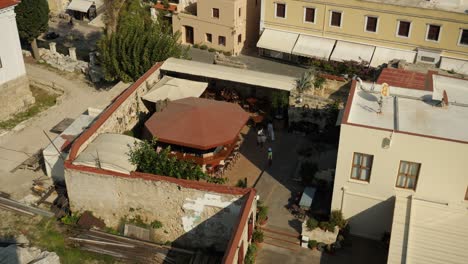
(262, 214)
(257, 236)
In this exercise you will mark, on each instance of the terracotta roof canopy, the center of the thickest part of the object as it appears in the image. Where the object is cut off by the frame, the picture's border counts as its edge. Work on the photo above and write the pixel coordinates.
(198, 123)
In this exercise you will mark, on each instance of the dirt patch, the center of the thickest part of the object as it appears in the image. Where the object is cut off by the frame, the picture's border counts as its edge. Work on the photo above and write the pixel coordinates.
(44, 100)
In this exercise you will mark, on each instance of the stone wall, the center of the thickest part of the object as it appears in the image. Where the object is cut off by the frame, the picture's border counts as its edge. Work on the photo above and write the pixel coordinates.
(15, 96)
(191, 218)
(128, 113)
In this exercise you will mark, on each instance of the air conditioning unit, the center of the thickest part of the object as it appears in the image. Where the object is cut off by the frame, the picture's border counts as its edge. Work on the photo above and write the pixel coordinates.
(428, 56)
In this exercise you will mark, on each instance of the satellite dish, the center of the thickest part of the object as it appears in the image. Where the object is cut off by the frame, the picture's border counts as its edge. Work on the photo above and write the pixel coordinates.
(386, 142)
(385, 90)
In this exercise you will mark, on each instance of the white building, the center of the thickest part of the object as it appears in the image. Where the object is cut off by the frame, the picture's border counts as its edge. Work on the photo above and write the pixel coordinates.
(411, 148)
(14, 87)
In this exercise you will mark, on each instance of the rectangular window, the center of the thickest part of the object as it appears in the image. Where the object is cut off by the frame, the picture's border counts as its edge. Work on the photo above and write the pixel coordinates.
(209, 37)
(371, 24)
(463, 37)
(408, 174)
(240, 11)
(309, 15)
(280, 10)
(404, 28)
(362, 166)
(222, 40)
(1, 65)
(433, 32)
(335, 19)
(239, 38)
(466, 194)
(215, 12)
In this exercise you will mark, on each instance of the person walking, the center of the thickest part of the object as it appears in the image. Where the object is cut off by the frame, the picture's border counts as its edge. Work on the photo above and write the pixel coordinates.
(270, 157)
(261, 138)
(271, 131)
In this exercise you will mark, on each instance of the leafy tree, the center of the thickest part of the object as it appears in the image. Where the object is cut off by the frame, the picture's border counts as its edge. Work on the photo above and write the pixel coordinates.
(137, 44)
(32, 17)
(145, 157)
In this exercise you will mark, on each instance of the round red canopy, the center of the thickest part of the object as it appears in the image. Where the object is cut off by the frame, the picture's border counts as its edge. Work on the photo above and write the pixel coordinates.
(198, 123)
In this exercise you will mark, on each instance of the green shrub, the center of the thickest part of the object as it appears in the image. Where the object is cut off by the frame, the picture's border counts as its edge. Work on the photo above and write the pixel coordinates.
(203, 47)
(70, 219)
(318, 82)
(323, 225)
(129, 133)
(138, 221)
(211, 50)
(262, 214)
(196, 46)
(257, 236)
(312, 244)
(242, 183)
(111, 230)
(336, 219)
(227, 53)
(156, 224)
(311, 224)
(250, 256)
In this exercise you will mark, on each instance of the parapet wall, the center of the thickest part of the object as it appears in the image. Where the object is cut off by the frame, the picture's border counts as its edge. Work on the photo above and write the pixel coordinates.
(191, 217)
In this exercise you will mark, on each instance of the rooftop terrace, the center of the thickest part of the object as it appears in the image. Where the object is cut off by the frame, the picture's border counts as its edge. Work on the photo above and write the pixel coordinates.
(413, 110)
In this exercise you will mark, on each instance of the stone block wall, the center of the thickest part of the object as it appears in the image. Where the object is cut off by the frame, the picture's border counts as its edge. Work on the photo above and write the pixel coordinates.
(127, 113)
(15, 96)
(191, 218)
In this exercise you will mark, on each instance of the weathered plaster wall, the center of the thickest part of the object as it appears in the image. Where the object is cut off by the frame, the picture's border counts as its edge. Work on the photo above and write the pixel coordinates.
(15, 96)
(190, 217)
(126, 116)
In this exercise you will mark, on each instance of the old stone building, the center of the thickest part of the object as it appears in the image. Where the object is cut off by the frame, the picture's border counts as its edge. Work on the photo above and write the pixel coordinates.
(14, 85)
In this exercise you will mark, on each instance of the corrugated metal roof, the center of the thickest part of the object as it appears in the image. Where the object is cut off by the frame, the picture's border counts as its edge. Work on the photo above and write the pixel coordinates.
(425, 232)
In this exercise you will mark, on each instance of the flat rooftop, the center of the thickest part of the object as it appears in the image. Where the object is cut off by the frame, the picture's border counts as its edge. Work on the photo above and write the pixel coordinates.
(458, 6)
(413, 110)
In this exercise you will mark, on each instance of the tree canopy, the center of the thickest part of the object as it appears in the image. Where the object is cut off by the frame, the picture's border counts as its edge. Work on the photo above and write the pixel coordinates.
(32, 17)
(145, 157)
(137, 44)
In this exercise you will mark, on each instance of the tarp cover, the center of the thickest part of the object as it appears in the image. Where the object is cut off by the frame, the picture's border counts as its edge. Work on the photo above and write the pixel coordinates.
(384, 55)
(110, 152)
(198, 123)
(218, 72)
(315, 47)
(174, 88)
(277, 40)
(347, 51)
(80, 5)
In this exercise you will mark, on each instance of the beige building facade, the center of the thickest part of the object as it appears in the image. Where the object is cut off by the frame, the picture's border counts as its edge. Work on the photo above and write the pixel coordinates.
(225, 25)
(401, 169)
(411, 30)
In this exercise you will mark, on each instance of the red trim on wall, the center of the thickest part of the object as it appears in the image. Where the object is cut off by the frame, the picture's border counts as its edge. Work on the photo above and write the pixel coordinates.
(349, 102)
(108, 112)
(243, 221)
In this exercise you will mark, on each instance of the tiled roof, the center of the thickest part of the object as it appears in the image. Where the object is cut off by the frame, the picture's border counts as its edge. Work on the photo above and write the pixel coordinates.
(8, 3)
(404, 78)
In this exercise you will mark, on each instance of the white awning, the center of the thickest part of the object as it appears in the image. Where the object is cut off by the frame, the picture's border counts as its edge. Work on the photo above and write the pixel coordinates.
(109, 152)
(456, 65)
(277, 40)
(218, 72)
(347, 51)
(384, 55)
(80, 5)
(174, 88)
(315, 47)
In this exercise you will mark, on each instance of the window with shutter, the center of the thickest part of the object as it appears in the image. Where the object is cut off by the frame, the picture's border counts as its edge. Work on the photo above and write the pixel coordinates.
(216, 12)
(335, 19)
(463, 37)
(404, 28)
(362, 166)
(309, 15)
(433, 33)
(371, 24)
(222, 40)
(408, 174)
(280, 10)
